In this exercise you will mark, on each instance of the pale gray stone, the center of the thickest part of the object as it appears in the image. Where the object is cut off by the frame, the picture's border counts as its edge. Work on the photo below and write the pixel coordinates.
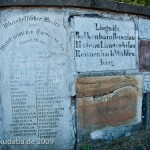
(98, 134)
(147, 83)
(35, 97)
(103, 44)
(144, 28)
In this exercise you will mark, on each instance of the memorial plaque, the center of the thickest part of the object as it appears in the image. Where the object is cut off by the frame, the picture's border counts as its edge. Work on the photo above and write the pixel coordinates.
(109, 101)
(144, 28)
(104, 44)
(34, 95)
(147, 83)
(144, 55)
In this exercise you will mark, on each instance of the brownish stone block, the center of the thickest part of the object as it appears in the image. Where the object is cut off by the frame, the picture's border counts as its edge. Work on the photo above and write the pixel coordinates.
(109, 101)
(100, 86)
(144, 55)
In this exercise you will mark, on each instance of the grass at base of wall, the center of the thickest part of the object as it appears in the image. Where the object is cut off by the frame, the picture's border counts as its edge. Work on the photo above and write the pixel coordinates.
(86, 147)
(137, 141)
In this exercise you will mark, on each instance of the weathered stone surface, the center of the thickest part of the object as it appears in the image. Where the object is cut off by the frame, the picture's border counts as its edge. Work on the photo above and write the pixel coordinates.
(108, 101)
(147, 83)
(30, 2)
(100, 86)
(144, 28)
(34, 95)
(144, 55)
(103, 44)
(110, 133)
(92, 4)
(146, 109)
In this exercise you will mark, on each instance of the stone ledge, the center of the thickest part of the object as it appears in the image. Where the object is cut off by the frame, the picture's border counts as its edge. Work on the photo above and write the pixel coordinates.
(92, 4)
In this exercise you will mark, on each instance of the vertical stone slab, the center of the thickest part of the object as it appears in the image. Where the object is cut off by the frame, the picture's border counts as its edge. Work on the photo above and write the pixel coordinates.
(147, 83)
(103, 44)
(34, 94)
(144, 55)
(144, 28)
(146, 101)
(108, 101)
(146, 110)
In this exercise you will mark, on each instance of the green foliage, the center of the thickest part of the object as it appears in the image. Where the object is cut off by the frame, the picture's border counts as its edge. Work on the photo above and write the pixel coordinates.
(137, 2)
(85, 147)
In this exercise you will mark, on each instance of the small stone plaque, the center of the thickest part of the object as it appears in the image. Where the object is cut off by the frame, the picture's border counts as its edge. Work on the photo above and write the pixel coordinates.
(104, 44)
(147, 82)
(109, 101)
(144, 55)
(144, 28)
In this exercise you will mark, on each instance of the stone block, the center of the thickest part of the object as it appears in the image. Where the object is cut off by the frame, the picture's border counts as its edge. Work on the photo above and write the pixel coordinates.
(103, 44)
(144, 55)
(34, 95)
(108, 101)
(144, 28)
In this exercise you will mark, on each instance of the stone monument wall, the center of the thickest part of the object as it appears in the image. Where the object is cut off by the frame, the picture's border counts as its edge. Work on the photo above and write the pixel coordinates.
(72, 72)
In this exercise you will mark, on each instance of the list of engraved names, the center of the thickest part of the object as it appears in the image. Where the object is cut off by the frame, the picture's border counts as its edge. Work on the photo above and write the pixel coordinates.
(34, 91)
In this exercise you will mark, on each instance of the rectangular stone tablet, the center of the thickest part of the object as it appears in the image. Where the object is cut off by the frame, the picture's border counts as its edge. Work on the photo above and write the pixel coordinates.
(103, 44)
(34, 95)
(147, 82)
(144, 28)
(144, 55)
(109, 101)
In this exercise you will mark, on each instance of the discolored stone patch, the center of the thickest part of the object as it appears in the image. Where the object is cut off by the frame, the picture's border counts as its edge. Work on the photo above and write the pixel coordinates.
(108, 101)
(144, 55)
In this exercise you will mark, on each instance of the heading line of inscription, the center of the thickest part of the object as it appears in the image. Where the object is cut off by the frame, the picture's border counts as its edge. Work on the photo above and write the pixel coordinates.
(29, 18)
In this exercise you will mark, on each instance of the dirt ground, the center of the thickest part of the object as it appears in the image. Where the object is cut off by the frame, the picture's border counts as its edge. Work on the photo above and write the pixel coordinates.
(138, 141)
